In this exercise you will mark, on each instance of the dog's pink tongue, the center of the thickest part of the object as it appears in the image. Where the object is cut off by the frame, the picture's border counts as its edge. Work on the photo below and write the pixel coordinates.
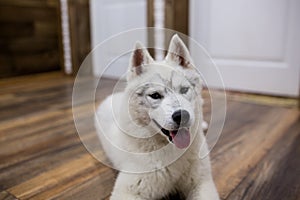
(181, 139)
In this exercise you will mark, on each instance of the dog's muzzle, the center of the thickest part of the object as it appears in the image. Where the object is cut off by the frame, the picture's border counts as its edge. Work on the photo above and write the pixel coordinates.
(180, 137)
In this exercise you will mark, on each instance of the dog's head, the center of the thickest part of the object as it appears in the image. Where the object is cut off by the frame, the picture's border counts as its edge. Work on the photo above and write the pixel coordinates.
(165, 93)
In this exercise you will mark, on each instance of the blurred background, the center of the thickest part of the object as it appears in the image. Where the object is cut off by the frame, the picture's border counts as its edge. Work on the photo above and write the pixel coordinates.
(255, 43)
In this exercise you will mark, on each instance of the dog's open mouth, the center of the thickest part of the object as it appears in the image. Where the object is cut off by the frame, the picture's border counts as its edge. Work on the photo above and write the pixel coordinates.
(180, 137)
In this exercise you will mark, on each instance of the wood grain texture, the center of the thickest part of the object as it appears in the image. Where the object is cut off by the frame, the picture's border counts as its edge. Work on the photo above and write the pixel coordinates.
(277, 175)
(28, 37)
(42, 157)
(4, 195)
(177, 15)
(79, 17)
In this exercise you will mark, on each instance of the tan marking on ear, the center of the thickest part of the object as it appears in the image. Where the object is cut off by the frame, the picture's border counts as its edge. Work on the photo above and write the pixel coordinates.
(180, 60)
(183, 62)
(138, 60)
(179, 53)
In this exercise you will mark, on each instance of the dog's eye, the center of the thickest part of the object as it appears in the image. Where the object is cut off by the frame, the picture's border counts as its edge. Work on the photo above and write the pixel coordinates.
(184, 90)
(156, 95)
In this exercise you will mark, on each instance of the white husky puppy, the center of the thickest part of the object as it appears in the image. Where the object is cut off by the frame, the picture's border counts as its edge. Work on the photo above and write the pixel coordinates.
(152, 131)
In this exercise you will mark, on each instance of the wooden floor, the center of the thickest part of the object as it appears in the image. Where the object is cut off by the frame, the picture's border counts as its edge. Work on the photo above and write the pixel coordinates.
(41, 157)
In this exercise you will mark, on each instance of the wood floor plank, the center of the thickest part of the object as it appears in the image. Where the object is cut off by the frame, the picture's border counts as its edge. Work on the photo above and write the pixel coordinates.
(64, 176)
(35, 145)
(233, 161)
(98, 188)
(4, 195)
(22, 171)
(277, 175)
(20, 81)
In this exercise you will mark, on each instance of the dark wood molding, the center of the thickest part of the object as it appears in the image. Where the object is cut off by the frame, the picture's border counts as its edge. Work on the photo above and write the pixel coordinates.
(150, 23)
(177, 17)
(79, 18)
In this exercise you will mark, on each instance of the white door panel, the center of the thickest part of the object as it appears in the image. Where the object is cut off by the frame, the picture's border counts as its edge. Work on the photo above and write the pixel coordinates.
(110, 17)
(255, 43)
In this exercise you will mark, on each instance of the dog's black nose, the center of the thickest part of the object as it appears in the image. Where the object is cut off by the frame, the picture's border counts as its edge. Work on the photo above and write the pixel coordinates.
(181, 117)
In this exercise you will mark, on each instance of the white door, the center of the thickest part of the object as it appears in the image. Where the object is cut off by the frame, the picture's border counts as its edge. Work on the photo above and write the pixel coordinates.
(255, 43)
(111, 17)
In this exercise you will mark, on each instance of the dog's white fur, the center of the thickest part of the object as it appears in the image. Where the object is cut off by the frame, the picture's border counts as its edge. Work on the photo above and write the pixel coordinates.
(129, 123)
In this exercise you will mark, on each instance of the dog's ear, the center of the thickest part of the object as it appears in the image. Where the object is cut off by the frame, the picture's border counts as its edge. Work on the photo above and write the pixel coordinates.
(178, 53)
(140, 57)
